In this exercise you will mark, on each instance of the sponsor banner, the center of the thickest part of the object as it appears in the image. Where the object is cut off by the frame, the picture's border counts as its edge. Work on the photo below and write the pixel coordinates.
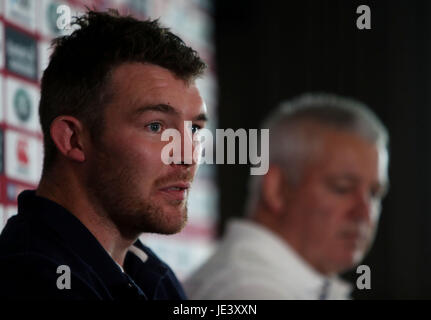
(5, 214)
(22, 105)
(8, 212)
(21, 52)
(44, 54)
(3, 218)
(49, 18)
(23, 157)
(11, 211)
(55, 18)
(2, 46)
(2, 91)
(1, 151)
(138, 7)
(154, 9)
(22, 12)
(13, 190)
(121, 5)
(190, 23)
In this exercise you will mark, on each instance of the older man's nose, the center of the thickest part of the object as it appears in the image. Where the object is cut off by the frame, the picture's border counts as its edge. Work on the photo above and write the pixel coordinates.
(362, 207)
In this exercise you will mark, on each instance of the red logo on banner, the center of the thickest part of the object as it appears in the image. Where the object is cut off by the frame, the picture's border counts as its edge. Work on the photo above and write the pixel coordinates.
(22, 152)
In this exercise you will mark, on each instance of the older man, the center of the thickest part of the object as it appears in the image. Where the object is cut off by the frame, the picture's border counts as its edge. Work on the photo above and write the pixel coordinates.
(111, 88)
(313, 215)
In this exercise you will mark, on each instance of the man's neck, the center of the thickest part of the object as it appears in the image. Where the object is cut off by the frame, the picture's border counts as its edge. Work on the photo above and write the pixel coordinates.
(73, 197)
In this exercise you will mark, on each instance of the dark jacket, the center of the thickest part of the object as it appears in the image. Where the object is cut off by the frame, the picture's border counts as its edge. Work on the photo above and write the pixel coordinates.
(44, 235)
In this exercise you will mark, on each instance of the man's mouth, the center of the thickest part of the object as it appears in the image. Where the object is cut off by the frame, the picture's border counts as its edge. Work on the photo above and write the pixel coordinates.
(354, 238)
(176, 191)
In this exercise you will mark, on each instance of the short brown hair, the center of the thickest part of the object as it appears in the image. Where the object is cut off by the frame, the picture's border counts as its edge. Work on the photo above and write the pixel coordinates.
(76, 78)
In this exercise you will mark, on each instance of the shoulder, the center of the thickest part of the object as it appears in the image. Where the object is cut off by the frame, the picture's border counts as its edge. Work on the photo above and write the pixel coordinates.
(235, 284)
(239, 274)
(25, 234)
(34, 276)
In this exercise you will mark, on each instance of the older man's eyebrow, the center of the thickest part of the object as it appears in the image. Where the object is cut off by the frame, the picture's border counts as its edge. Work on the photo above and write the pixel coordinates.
(201, 117)
(165, 108)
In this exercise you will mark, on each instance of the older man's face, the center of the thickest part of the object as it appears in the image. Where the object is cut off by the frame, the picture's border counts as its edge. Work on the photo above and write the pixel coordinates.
(334, 210)
(125, 172)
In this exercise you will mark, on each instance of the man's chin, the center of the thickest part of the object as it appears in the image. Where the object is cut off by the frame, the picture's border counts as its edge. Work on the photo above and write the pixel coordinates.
(352, 260)
(172, 230)
(175, 220)
(347, 260)
(168, 229)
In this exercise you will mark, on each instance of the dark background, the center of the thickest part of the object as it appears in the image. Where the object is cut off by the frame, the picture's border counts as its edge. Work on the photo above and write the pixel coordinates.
(268, 51)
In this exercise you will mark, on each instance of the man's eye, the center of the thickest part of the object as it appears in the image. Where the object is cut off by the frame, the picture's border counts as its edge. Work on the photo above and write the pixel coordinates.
(155, 127)
(195, 128)
(340, 189)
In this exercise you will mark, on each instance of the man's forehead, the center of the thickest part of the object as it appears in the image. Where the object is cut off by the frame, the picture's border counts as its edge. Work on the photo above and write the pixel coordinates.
(345, 151)
(138, 84)
(145, 74)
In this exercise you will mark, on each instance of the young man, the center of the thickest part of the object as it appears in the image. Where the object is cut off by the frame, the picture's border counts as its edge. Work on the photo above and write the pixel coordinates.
(110, 90)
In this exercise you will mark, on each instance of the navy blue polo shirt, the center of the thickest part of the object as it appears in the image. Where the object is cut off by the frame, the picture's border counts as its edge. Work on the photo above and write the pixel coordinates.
(44, 235)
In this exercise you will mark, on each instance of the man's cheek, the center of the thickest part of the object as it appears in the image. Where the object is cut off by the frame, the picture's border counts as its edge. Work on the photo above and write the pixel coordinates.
(147, 156)
(323, 209)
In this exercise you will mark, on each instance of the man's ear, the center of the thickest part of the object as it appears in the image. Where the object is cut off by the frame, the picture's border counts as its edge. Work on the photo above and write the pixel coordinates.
(272, 189)
(67, 134)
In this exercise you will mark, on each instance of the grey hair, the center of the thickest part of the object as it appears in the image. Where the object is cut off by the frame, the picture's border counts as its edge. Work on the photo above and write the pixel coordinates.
(289, 139)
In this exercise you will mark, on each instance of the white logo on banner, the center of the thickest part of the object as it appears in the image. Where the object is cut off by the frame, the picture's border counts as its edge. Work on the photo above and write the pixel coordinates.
(22, 105)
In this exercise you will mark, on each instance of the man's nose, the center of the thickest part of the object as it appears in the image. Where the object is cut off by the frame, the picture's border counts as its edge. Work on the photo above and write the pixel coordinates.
(363, 207)
(187, 147)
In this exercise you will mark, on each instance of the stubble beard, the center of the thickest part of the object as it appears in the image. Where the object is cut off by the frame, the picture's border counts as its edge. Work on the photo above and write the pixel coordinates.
(116, 190)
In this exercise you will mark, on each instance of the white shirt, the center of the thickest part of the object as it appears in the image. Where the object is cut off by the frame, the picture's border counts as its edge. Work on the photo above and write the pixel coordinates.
(254, 263)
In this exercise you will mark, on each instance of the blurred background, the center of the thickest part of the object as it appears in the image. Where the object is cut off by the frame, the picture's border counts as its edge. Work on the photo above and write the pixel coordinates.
(259, 53)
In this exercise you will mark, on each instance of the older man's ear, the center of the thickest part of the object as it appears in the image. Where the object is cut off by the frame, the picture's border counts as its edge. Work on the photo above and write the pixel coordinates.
(273, 188)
